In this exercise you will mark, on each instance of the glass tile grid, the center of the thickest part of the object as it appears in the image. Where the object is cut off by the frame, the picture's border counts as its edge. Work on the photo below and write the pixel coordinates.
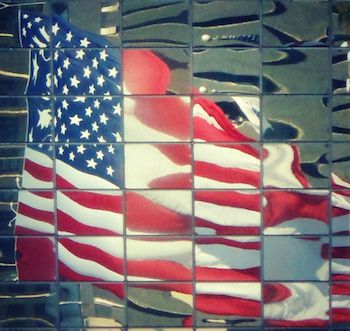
(238, 179)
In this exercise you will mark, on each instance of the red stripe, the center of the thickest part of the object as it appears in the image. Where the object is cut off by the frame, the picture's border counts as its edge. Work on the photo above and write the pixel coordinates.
(341, 315)
(284, 206)
(226, 305)
(336, 211)
(296, 168)
(177, 153)
(22, 231)
(341, 252)
(336, 276)
(94, 200)
(172, 181)
(341, 289)
(230, 198)
(40, 215)
(43, 194)
(155, 217)
(227, 230)
(39, 172)
(308, 322)
(67, 223)
(217, 274)
(87, 252)
(226, 175)
(61, 183)
(160, 269)
(228, 242)
(275, 292)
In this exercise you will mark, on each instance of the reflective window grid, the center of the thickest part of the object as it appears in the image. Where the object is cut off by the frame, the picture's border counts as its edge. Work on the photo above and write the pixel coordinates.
(173, 164)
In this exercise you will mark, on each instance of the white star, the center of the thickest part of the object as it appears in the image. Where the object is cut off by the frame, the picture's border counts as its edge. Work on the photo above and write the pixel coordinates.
(65, 90)
(24, 32)
(75, 120)
(101, 139)
(100, 155)
(85, 134)
(79, 54)
(66, 63)
(110, 171)
(74, 81)
(88, 111)
(94, 63)
(65, 104)
(81, 149)
(44, 118)
(35, 69)
(25, 16)
(69, 36)
(37, 19)
(60, 150)
(80, 99)
(29, 25)
(87, 72)
(117, 110)
(85, 42)
(111, 149)
(103, 119)
(55, 29)
(100, 80)
(56, 55)
(59, 112)
(92, 89)
(63, 129)
(113, 72)
(71, 156)
(91, 163)
(96, 104)
(59, 72)
(95, 126)
(107, 97)
(55, 80)
(103, 55)
(117, 136)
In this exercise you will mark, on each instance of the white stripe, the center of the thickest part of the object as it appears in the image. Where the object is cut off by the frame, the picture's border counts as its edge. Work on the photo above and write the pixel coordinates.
(250, 291)
(341, 266)
(81, 179)
(44, 33)
(278, 167)
(203, 182)
(38, 157)
(198, 111)
(144, 163)
(28, 181)
(179, 251)
(86, 267)
(341, 223)
(103, 219)
(36, 201)
(38, 42)
(225, 157)
(337, 180)
(33, 224)
(226, 257)
(110, 245)
(225, 215)
(298, 226)
(204, 231)
(341, 242)
(306, 302)
(341, 201)
(341, 301)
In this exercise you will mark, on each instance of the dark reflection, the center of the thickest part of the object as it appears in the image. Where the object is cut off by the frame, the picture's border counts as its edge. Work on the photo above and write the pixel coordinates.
(226, 70)
(340, 71)
(284, 118)
(225, 23)
(98, 305)
(287, 23)
(28, 305)
(295, 71)
(8, 208)
(155, 23)
(11, 165)
(341, 118)
(341, 27)
(8, 270)
(341, 165)
(101, 17)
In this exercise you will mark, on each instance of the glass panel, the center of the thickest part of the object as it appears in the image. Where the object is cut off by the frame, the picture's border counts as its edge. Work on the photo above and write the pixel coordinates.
(340, 305)
(225, 70)
(341, 169)
(91, 258)
(340, 258)
(100, 23)
(340, 19)
(295, 71)
(155, 23)
(89, 213)
(296, 304)
(160, 304)
(340, 71)
(163, 166)
(284, 118)
(158, 212)
(227, 258)
(227, 212)
(340, 118)
(157, 119)
(94, 305)
(28, 305)
(8, 268)
(297, 258)
(225, 23)
(296, 212)
(341, 212)
(219, 304)
(284, 23)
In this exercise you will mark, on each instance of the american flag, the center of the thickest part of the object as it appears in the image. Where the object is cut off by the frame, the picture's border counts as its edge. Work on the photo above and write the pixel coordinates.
(87, 130)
